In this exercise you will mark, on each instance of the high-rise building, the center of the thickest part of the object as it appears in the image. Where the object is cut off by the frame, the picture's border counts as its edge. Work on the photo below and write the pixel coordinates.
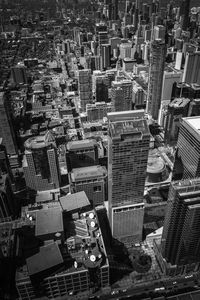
(180, 239)
(156, 70)
(91, 180)
(7, 202)
(105, 56)
(81, 154)
(121, 95)
(4, 161)
(184, 12)
(6, 126)
(188, 149)
(159, 32)
(177, 110)
(102, 38)
(40, 163)
(194, 108)
(125, 50)
(191, 73)
(97, 111)
(139, 97)
(100, 86)
(18, 74)
(128, 147)
(114, 9)
(85, 87)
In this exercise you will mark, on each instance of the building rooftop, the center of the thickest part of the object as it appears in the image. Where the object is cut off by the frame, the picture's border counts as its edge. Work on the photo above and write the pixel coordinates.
(83, 144)
(87, 173)
(48, 221)
(136, 127)
(48, 257)
(193, 122)
(74, 201)
(40, 141)
(179, 102)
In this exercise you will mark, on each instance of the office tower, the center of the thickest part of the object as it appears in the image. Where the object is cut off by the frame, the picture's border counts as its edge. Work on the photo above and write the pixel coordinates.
(114, 9)
(40, 164)
(177, 110)
(4, 161)
(121, 95)
(94, 46)
(85, 87)
(91, 180)
(194, 108)
(6, 126)
(66, 46)
(18, 74)
(97, 111)
(100, 86)
(191, 73)
(7, 202)
(179, 60)
(81, 154)
(139, 97)
(181, 231)
(128, 64)
(105, 56)
(184, 12)
(169, 78)
(102, 38)
(156, 70)
(159, 32)
(125, 50)
(187, 161)
(114, 42)
(128, 147)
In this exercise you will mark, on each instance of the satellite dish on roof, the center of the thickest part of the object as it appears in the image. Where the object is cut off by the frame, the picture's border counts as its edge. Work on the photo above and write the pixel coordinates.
(92, 224)
(91, 215)
(92, 258)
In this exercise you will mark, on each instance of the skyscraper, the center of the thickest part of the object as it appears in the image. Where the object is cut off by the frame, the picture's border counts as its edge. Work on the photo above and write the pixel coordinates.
(188, 149)
(128, 147)
(105, 56)
(191, 72)
(184, 12)
(180, 239)
(40, 163)
(156, 70)
(85, 87)
(6, 127)
(121, 95)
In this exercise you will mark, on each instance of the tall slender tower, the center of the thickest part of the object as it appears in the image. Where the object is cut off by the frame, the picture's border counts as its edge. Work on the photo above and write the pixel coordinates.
(184, 12)
(128, 147)
(6, 126)
(181, 233)
(157, 64)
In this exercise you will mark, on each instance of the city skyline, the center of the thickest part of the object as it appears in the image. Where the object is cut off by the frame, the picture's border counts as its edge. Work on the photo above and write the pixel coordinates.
(99, 149)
